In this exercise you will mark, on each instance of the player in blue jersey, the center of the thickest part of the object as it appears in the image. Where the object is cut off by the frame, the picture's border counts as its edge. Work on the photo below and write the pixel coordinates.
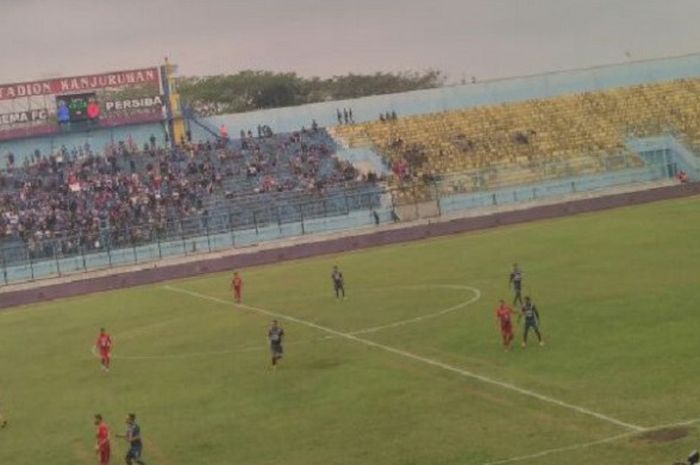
(338, 282)
(516, 282)
(532, 320)
(275, 335)
(133, 437)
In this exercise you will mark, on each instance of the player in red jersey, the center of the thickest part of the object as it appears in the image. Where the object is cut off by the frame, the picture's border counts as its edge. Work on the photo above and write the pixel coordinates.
(104, 346)
(237, 286)
(504, 317)
(102, 447)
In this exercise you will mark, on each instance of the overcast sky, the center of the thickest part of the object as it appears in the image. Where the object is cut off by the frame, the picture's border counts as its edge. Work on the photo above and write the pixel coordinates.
(484, 38)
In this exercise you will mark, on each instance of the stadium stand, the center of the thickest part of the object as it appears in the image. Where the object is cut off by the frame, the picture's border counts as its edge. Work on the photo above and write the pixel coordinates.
(584, 132)
(80, 200)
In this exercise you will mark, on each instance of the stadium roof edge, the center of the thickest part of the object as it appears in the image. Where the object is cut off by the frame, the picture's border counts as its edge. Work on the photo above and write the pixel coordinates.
(586, 68)
(482, 93)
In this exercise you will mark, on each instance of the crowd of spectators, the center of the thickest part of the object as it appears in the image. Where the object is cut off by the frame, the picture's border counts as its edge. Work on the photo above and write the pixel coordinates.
(80, 198)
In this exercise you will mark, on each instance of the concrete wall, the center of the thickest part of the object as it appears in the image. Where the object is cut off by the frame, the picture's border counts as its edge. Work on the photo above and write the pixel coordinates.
(338, 245)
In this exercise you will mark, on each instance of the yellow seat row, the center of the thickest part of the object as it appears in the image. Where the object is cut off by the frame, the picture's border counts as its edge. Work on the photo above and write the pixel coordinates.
(592, 125)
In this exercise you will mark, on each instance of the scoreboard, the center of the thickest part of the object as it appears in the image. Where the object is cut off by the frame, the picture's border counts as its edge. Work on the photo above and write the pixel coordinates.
(77, 108)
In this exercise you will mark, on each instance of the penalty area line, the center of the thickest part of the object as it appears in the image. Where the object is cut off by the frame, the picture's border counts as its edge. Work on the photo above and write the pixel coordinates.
(418, 358)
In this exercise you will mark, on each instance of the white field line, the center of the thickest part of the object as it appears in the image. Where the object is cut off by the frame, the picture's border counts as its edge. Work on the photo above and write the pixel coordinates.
(477, 296)
(563, 449)
(208, 353)
(586, 445)
(168, 357)
(425, 360)
(129, 333)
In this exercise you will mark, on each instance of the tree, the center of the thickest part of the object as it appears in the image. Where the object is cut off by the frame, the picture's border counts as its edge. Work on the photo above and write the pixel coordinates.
(253, 90)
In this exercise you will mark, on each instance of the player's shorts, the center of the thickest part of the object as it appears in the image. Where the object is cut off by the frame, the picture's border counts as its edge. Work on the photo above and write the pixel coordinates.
(531, 324)
(276, 350)
(134, 452)
(105, 354)
(338, 286)
(506, 328)
(105, 454)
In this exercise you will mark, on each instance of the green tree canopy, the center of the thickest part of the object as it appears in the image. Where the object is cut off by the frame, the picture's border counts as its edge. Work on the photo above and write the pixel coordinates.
(254, 90)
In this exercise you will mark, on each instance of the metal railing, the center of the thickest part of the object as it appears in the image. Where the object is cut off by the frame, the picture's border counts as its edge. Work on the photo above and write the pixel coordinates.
(246, 225)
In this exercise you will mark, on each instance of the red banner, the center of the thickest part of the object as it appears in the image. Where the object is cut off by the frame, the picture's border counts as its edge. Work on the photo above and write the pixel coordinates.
(80, 83)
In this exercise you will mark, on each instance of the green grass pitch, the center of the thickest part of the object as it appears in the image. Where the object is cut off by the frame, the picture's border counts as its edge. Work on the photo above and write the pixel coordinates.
(617, 293)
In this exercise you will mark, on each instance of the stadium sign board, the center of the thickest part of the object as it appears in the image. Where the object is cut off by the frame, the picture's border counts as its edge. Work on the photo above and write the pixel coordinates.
(9, 119)
(52, 106)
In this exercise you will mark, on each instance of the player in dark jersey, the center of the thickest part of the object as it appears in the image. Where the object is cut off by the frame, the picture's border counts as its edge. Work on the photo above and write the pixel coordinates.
(133, 437)
(516, 282)
(338, 282)
(532, 320)
(275, 335)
